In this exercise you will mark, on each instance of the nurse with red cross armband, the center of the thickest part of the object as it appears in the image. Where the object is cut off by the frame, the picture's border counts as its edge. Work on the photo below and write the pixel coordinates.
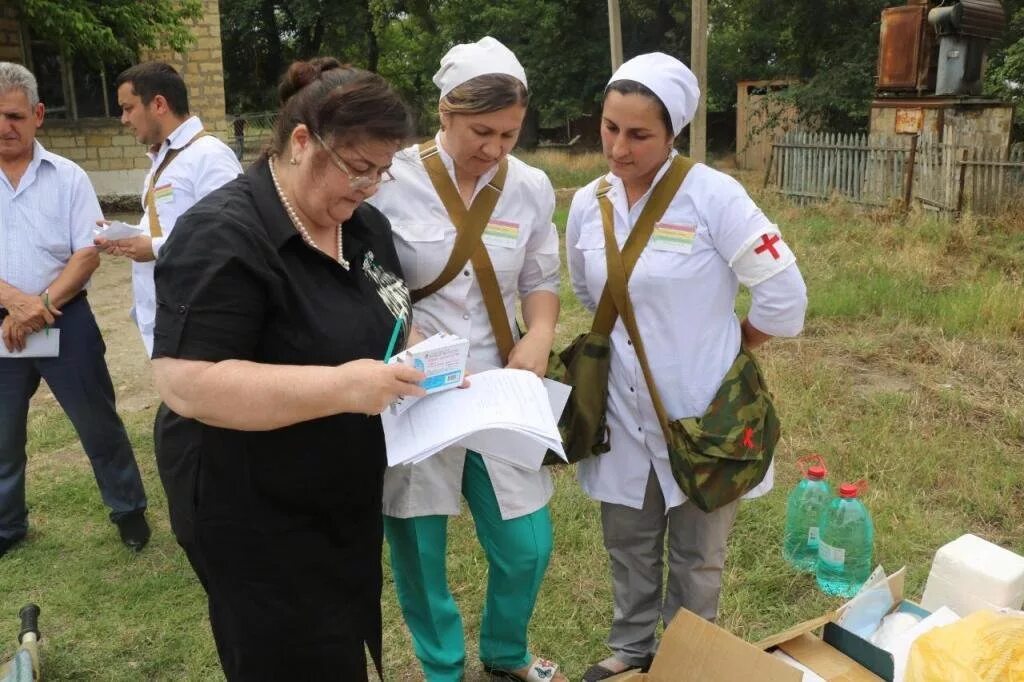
(711, 239)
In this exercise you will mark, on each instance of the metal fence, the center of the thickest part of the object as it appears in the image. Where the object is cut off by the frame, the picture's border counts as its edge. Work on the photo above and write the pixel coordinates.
(255, 129)
(949, 177)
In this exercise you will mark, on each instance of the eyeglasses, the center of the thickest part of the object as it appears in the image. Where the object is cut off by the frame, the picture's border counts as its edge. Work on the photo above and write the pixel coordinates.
(357, 182)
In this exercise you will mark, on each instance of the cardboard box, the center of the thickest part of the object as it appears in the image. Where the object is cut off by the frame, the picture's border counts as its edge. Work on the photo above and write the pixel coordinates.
(694, 650)
(840, 655)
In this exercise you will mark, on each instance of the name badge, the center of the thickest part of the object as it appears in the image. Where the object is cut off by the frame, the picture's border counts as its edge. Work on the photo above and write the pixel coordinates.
(163, 193)
(503, 233)
(673, 237)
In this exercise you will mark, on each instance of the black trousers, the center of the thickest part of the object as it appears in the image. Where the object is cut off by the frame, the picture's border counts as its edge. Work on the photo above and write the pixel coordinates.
(296, 604)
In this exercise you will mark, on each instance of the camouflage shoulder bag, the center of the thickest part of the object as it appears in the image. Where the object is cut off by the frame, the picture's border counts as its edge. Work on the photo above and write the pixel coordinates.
(585, 363)
(720, 456)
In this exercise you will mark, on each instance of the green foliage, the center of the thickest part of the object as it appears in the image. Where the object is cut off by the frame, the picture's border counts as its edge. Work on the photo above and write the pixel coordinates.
(831, 46)
(261, 37)
(1005, 75)
(111, 30)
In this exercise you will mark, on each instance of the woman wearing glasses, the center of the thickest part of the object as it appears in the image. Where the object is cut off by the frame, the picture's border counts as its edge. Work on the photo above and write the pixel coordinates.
(272, 293)
(482, 106)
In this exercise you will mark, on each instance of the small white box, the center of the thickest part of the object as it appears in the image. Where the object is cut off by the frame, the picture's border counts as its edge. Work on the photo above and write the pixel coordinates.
(970, 574)
(442, 357)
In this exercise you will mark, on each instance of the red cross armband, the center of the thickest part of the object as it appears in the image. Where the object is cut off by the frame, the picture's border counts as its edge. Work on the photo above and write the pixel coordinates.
(764, 254)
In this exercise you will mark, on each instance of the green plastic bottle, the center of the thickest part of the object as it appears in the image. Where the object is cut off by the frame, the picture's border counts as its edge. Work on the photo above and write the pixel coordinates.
(846, 544)
(806, 500)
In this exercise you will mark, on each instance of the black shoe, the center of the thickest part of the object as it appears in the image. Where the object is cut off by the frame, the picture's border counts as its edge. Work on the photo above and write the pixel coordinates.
(134, 530)
(598, 672)
(9, 542)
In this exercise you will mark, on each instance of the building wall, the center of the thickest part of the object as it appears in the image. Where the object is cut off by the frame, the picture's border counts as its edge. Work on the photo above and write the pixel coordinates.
(10, 33)
(115, 162)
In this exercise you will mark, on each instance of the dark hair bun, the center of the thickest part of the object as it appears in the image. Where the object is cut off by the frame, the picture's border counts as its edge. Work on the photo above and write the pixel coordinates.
(300, 74)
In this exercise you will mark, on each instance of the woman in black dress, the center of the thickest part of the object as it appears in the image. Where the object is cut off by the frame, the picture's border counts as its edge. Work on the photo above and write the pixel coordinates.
(277, 297)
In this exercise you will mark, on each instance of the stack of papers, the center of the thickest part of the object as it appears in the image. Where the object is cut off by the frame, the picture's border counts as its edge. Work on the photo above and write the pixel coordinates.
(442, 358)
(118, 230)
(507, 414)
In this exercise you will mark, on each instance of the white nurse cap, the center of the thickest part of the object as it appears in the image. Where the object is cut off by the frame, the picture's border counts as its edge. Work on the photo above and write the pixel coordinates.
(669, 79)
(467, 61)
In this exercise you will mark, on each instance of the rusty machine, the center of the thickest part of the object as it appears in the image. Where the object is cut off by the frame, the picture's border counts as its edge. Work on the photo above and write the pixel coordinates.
(931, 62)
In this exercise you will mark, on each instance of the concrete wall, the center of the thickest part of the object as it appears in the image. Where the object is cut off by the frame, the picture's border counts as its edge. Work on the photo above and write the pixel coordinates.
(961, 121)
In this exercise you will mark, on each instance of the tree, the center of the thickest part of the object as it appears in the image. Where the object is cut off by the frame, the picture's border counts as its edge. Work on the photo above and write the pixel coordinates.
(1005, 75)
(261, 37)
(111, 30)
(830, 45)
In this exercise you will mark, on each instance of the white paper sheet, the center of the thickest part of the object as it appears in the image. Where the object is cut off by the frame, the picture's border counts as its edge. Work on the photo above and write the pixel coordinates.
(42, 344)
(519, 449)
(118, 230)
(505, 413)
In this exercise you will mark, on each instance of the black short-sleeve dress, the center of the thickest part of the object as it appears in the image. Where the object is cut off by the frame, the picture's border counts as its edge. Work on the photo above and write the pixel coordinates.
(283, 527)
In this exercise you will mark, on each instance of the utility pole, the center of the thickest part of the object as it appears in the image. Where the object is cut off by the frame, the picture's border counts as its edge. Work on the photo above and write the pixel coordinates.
(699, 65)
(615, 33)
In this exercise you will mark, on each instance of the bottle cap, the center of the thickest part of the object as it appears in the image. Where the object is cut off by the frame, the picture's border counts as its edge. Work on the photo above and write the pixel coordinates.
(812, 466)
(852, 489)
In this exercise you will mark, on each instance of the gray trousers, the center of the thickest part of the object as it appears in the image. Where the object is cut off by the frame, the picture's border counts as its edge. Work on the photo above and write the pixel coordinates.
(635, 540)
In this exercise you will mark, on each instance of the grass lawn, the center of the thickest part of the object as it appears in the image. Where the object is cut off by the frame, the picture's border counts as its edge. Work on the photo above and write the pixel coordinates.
(910, 373)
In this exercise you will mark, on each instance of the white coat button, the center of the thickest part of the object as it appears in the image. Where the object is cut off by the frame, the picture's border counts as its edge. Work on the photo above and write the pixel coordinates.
(466, 316)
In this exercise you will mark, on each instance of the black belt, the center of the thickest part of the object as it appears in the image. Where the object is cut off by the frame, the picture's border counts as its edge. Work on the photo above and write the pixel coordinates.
(74, 299)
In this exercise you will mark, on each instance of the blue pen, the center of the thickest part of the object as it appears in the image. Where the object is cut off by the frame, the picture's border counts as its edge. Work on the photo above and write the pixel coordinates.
(394, 339)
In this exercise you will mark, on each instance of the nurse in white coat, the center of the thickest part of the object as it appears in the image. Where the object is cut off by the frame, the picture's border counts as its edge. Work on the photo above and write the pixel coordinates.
(482, 107)
(683, 292)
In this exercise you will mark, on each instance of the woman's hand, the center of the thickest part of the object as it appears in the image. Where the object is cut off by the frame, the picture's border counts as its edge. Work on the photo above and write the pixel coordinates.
(532, 351)
(752, 337)
(372, 385)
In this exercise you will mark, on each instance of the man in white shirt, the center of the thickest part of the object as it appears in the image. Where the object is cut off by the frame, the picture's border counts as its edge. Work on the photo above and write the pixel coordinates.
(47, 212)
(187, 165)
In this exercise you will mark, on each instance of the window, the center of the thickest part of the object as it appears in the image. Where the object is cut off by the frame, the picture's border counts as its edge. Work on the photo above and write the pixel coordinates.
(72, 89)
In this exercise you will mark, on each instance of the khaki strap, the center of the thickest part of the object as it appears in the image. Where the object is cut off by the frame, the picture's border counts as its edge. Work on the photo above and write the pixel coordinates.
(620, 265)
(469, 229)
(154, 220)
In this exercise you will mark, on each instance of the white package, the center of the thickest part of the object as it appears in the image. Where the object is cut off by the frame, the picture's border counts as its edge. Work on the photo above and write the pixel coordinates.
(970, 574)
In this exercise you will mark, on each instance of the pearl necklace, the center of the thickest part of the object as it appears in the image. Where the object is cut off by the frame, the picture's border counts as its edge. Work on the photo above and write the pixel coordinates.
(298, 223)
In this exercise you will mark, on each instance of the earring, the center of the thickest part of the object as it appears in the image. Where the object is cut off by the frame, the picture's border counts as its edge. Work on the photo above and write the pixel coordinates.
(293, 161)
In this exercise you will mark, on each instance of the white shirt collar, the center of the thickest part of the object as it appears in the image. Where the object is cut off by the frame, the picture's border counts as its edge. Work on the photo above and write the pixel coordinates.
(180, 136)
(39, 154)
(449, 163)
(619, 188)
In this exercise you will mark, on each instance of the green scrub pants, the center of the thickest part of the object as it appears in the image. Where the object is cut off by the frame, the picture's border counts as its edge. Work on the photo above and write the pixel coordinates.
(517, 553)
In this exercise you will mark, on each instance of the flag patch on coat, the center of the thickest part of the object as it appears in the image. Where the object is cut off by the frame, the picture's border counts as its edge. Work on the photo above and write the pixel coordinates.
(501, 233)
(163, 192)
(677, 238)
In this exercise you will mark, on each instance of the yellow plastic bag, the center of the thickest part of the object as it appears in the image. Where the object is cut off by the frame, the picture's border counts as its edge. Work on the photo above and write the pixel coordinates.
(983, 647)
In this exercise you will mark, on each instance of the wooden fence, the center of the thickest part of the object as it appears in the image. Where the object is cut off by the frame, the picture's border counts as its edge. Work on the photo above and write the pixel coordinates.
(880, 171)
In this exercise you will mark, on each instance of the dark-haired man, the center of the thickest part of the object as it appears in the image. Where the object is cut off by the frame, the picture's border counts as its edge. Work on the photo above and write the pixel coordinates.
(187, 165)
